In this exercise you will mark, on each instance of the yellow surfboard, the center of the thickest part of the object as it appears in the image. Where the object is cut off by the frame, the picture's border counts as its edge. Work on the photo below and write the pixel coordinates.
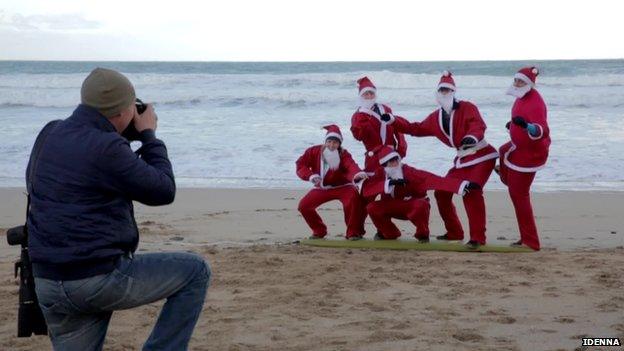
(408, 245)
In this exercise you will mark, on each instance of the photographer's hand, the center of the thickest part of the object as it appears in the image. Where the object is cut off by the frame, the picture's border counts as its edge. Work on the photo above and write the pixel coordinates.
(146, 120)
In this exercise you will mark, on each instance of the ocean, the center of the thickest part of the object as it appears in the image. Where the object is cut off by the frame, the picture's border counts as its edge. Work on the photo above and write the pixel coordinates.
(243, 125)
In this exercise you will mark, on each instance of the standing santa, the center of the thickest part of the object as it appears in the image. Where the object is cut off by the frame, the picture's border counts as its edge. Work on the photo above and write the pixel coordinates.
(458, 124)
(402, 192)
(372, 125)
(527, 151)
(332, 171)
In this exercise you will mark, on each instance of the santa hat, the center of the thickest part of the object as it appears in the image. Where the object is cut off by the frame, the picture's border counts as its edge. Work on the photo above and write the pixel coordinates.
(528, 75)
(365, 84)
(333, 131)
(385, 153)
(446, 81)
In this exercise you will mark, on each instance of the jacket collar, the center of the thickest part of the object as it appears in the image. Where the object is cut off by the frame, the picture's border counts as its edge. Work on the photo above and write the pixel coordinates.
(90, 116)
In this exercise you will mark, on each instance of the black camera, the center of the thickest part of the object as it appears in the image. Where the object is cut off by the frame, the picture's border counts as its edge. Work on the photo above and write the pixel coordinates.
(29, 318)
(130, 132)
(140, 106)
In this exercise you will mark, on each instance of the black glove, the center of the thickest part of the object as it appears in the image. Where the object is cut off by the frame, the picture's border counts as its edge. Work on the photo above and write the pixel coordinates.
(386, 117)
(520, 122)
(471, 186)
(468, 142)
(507, 125)
(398, 182)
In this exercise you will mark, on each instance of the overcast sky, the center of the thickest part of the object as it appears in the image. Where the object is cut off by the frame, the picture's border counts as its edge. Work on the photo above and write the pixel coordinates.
(320, 30)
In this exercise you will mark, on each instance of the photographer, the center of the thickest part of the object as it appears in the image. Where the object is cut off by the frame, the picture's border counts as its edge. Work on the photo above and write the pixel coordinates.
(82, 178)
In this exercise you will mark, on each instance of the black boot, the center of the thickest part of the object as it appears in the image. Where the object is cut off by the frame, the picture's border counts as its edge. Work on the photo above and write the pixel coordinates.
(517, 244)
(473, 245)
(446, 238)
(379, 236)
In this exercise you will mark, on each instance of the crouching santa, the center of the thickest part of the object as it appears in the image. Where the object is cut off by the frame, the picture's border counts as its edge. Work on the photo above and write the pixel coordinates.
(402, 192)
(527, 151)
(333, 172)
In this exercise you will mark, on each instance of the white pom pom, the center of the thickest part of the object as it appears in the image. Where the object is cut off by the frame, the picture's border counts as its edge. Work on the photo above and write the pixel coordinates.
(370, 154)
(446, 73)
(534, 70)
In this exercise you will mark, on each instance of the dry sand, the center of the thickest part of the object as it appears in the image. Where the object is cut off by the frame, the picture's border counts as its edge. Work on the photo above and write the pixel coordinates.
(271, 296)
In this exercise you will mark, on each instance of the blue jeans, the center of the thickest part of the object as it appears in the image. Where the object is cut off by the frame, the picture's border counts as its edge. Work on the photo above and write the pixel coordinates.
(78, 311)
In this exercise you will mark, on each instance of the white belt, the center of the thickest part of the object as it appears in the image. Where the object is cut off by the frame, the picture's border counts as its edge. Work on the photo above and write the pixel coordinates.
(472, 150)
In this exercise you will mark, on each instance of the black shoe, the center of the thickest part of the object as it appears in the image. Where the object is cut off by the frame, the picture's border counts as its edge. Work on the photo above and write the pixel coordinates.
(445, 237)
(473, 245)
(314, 237)
(517, 244)
(378, 236)
(423, 240)
(355, 238)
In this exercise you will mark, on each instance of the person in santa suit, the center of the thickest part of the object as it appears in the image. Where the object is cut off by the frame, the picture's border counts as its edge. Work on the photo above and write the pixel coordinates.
(403, 194)
(372, 125)
(458, 124)
(527, 151)
(332, 171)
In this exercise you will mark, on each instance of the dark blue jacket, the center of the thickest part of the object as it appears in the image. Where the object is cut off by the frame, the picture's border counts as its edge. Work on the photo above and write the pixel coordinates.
(84, 180)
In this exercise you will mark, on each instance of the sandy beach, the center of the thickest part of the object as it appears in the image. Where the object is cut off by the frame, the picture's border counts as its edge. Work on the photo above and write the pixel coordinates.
(268, 293)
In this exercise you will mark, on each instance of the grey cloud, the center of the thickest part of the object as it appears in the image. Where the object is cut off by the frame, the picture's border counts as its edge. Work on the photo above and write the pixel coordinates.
(59, 22)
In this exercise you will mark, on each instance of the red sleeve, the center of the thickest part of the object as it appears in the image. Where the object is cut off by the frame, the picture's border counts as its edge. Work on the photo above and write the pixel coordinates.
(537, 116)
(401, 147)
(374, 185)
(417, 129)
(359, 126)
(304, 168)
(423, 181)
(476, 125)
(349, 166)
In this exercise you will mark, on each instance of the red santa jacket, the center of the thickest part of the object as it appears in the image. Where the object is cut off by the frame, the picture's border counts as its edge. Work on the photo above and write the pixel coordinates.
(311, 164)
(528, 153)
(465, 121)
(367, 127)
(418, 182)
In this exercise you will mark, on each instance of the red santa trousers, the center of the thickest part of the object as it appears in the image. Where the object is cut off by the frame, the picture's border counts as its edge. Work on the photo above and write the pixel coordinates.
(350, 199)
(519, 186)
(474, 203)
(415, 210)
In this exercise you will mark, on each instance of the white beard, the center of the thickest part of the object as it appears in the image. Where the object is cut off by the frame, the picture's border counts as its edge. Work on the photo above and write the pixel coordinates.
(518, 92)
(367, 103)
(445, 101)
(332, 158)
(394, 172)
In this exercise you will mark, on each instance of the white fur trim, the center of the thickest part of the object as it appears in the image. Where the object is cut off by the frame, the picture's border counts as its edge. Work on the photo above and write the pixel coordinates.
(462, 187)
(447, 85)
(449, 137)
(477, 160)
(370, 154)
(367, 89)
(541, 134)
(524, 78)
(359, 174)
(388, 189)
(313, 176)
(333, 134)
(446, 73)
(472, 150)
(519, 168)
(388, 157)
(535, 71)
